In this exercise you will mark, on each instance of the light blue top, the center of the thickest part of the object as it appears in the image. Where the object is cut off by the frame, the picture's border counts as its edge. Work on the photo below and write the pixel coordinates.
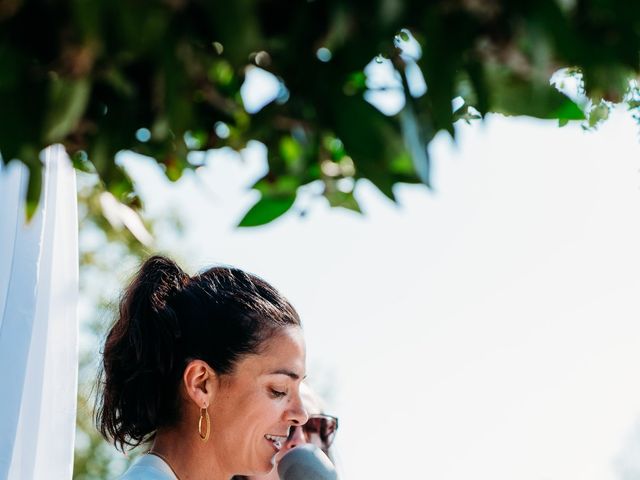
(149, 467)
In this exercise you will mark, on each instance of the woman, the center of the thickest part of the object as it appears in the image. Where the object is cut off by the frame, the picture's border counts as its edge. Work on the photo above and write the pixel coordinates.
(319, 430)
(206, 368)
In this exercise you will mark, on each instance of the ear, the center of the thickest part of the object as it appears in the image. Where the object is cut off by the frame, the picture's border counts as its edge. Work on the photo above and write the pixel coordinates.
(200, 382)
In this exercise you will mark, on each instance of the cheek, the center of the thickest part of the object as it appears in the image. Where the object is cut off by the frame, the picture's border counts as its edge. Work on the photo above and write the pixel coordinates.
(261, 415)
(245, 422)
(236, 419)
(268, 413)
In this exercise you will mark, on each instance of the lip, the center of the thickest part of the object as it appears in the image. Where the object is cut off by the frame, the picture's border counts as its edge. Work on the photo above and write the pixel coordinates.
(278, 443)
(276, 447)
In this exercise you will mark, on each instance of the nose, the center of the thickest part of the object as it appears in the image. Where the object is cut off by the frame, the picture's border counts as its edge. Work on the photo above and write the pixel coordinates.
(297, 414)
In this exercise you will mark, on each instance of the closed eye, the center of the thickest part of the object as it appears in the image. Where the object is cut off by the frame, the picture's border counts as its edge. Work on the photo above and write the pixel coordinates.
(277, 393)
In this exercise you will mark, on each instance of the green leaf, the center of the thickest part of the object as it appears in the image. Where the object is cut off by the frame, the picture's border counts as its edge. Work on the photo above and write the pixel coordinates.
(343, 199)
(569, 111)
(356, 83)
(68, 100)
(449, 37)
(266, 210)
(173, 170)
(513, 95)
(480, 87)
(120, 185)
(370, 138)
(598, 114)
(221, 73)
(80, 161)
(281, 186)
(291, 153)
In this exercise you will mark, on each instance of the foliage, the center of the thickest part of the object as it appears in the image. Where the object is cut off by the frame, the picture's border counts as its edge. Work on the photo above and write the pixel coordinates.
(164, 78)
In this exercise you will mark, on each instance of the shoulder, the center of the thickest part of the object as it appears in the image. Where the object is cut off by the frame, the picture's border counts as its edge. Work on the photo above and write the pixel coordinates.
(148, 467)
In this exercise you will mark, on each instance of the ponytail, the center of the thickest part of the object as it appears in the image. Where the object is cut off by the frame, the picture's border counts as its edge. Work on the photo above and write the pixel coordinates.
(139, 378)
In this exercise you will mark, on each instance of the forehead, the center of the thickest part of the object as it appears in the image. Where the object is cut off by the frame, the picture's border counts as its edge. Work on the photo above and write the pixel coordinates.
(283, 354)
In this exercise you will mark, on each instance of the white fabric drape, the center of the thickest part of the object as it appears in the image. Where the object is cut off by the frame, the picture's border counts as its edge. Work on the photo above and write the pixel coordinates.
(38, 323)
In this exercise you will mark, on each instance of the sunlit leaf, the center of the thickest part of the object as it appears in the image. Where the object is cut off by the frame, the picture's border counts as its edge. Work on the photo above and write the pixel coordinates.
(266, 210)
(598, 114)
(568, 110)
(343, 199)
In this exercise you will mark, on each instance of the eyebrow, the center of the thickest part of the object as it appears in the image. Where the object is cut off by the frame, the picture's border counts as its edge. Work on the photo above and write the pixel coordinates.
(288, 373)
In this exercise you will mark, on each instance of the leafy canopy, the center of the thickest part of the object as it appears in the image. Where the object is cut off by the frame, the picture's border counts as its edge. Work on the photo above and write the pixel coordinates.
(164, 78)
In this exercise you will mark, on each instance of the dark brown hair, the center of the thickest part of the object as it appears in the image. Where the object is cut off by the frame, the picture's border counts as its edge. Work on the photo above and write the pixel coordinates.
(166, 319)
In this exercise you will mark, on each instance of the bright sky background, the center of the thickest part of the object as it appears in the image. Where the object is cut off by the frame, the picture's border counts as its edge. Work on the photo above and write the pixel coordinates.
(488, 329)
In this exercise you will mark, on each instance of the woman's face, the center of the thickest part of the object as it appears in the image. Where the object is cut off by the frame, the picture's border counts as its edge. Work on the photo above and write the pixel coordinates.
(253, 408)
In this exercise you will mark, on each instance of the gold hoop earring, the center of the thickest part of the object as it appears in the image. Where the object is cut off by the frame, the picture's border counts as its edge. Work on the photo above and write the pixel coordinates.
(204, 415)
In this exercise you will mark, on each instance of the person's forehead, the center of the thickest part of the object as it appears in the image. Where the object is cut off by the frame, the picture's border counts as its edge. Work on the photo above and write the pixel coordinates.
(283, 355)
(288, 342)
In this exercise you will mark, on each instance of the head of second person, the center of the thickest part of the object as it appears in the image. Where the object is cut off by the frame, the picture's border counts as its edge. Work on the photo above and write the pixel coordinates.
(207, 367)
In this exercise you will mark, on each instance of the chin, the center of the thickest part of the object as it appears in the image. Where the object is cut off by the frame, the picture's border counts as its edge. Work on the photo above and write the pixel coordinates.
(262, 462)
(271, 466)
(265, 468)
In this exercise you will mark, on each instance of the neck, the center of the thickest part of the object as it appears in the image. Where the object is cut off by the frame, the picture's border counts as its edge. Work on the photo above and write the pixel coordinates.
(188, 456)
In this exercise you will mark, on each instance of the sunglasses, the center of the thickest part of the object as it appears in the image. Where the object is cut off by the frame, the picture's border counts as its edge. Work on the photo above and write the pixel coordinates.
(318, 429)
